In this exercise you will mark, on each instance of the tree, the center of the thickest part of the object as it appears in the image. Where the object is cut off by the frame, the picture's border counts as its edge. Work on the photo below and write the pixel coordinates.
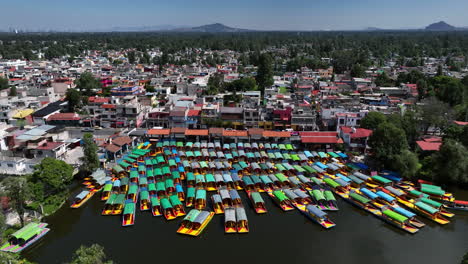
(434, 113)
(448, 89)
(9, 258)
(465, 259)
(149, 88)
(358, 71)
(215, 84)
(383, 80)
(407, 164)
(13, 91)
(372, 120)
(86, 83)
(16, 189)
(387, 141)
(74, 99)
(4, 84)
(410, 124)
(451, 163)
(90, 158)
(54, 175)
(131, 57)
(93, 254)
(264, 76)
(422, 88)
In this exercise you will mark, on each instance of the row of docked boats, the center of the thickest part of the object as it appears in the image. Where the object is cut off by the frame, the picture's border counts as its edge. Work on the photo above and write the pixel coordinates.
(307, 181)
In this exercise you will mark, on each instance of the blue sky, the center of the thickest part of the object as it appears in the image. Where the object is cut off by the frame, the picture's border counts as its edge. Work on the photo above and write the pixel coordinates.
(252, 14)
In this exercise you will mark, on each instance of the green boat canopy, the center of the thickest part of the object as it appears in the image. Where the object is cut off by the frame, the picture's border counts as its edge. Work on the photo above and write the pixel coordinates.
(129, 208)
(400, 218)
(381, 179)
(124, 164)
(426, 207)
(433, 191)
(117, 169)
(359, 198)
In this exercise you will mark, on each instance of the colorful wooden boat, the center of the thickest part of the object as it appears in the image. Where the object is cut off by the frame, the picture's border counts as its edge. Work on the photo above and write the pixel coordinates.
(200, 199)
(332, 205)
(425, 210)
(132, 193)
(242, 222)
(230, 223)
(199, 224)
(177, 205)
(144, 200)
(316, 215)
(25, 237)
(190, 197)
(398, 220)
(167, 209)
(236, 199)
(156, 209)
(82, 198)
(281, 200)
(186, 224)
(106, 191)
(118, 205)
(107, 210)
(217, 204)
(226, 198)
(458, 205)
(319, 197)
(128, 217)
(257, 202)
(410, 215)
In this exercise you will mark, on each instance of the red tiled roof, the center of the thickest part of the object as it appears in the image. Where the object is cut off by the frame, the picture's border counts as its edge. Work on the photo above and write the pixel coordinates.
(429, 146)
(256, 131)
(64, 116)
(112, 148)
(284, 134)
(178, 130)
(120, 141)
(49, 145)
(461, 123)
(196, 132)
(322, 140)
(358, 133)
(234, 133)
(159, 132)
(108, 106)
(193, 112)
(216, 130)
(318, 134)
(96, 99)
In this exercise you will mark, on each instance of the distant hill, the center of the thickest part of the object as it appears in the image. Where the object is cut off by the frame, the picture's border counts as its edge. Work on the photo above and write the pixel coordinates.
(212, 28)
(440, 26)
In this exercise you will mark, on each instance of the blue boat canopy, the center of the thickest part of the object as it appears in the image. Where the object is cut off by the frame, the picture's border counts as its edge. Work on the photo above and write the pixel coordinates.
(312, 209)
(369, 193)
(385, 196)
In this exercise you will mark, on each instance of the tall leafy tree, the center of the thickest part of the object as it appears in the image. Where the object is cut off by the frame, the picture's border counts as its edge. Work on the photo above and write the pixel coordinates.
(387, 142)
(358, 71)
(16, 189)
(264, 76)
(448, 89)
(54, 175)
(4, 84)
(451, 163)
(131, 57)
(86, 83)
(90, 159)
(407, 163)
(74, 99)
(13, 91)
(434, 113)
(93, 254)
(372, 120)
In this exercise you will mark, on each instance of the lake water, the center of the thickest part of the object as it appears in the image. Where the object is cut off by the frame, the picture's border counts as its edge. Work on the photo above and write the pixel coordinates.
(277, 237)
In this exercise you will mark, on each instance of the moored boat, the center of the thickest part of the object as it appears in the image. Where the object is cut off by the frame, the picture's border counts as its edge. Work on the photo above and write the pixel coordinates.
(282, 200)
(167, 209)
(218, 207)
(199, 224)
(25, 237)
(128, 217)
(107, 210)
(257, 202)
(177, 205)
(332, 205)
(317, 215)
(230, 224)
(156, 209)
(82, 198)
(458, 205)
(118, 205)
(106, 191)
(186, 224)
(200, 199)
(242, 222)
(190, 197)
(398, 220)
(144, 200)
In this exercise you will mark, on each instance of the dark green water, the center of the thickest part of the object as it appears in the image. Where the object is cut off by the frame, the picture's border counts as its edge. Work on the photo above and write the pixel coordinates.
(277, 237)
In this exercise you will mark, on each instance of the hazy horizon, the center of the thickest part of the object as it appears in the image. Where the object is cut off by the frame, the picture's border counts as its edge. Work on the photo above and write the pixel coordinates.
(304, 15)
